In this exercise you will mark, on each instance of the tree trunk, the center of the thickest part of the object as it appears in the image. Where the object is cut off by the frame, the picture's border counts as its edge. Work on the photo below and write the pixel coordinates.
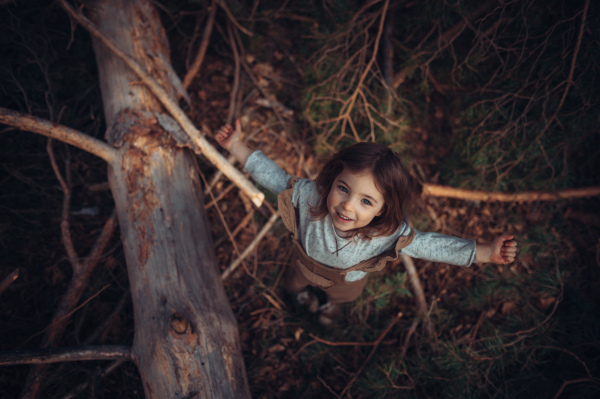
(186, 340)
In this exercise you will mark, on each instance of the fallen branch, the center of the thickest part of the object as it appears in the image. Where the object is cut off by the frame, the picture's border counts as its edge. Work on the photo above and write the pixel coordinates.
(434, 190)
(250, 247)
(59, 132)
(67, 354)
(413, 276)
(199, 142)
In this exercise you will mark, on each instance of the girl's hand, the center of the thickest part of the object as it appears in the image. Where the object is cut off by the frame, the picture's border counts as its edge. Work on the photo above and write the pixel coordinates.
(501, 251)
(227, 136)
(231, 140)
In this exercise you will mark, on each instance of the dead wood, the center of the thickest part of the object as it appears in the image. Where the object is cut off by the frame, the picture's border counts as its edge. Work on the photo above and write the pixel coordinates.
(250, 247)
(59, 132)
(186, 341)
(200, 144)
(68, 354)
(434, 190)
(415, 282)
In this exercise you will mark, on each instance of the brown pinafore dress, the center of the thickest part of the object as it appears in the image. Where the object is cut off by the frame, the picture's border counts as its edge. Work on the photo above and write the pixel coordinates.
(304, 271)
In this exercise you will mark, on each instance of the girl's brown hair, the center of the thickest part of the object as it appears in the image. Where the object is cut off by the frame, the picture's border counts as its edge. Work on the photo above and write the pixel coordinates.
(391, 179)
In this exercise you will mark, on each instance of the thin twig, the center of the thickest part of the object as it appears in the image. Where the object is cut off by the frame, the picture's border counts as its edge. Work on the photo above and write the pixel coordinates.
(239, 227)
(223, 221)
(236, 76)
(197, 64)
(68, 354)
(65, 226)
(418, 290)
(77, 285)
(409, 334)
(232, 18)
(349, 104)
(250, 247)
(375, 346)
(576, 381)
(569, 82)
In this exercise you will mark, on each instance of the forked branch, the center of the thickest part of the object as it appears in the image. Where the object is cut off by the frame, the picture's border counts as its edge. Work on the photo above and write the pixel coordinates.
(200, 144)
(59, 132)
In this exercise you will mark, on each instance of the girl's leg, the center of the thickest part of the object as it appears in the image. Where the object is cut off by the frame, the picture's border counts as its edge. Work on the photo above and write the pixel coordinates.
(296, 284)
(294, 281)
(338, 295)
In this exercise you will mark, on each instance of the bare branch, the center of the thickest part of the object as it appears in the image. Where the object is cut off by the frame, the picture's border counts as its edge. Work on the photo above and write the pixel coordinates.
(67, 305)
(65, 226)
(250, 247)
(413, 276)
(59, 132)
(199, 142)
(208, 28)
(434, 190)
(232, 18)
(67, 354)
(236, 75)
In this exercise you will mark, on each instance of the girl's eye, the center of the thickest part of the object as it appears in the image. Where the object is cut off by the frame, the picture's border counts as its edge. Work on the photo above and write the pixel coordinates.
(344, 189)
(366, 202)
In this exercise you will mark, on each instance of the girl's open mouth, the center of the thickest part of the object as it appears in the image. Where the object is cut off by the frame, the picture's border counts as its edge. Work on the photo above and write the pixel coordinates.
(342, 217)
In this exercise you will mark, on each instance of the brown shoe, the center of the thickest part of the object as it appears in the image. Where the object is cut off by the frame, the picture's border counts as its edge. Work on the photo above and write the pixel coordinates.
(329, 313)
(308, 299)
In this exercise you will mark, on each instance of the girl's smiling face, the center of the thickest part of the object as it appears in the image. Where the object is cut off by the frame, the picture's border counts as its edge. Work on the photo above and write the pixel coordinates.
(354, 200)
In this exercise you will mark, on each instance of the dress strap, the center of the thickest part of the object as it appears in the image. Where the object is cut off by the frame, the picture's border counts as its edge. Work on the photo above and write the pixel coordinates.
(286, 209)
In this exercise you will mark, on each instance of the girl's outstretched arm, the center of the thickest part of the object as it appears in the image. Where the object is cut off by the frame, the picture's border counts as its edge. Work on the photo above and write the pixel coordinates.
(231, 140)
(501, 251)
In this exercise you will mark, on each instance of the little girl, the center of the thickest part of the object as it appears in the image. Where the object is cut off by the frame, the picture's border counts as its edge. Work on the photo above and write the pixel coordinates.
(350, 222)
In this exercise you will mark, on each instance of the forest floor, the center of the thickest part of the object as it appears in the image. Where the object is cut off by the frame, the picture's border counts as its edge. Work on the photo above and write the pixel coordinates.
(288, 353)
(284, 345)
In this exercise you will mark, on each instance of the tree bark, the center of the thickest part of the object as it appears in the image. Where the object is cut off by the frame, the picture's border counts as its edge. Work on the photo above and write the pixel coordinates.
(186, 340)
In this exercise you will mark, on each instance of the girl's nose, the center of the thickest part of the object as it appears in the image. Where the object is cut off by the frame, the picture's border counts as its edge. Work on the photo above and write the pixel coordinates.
(347, 205)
